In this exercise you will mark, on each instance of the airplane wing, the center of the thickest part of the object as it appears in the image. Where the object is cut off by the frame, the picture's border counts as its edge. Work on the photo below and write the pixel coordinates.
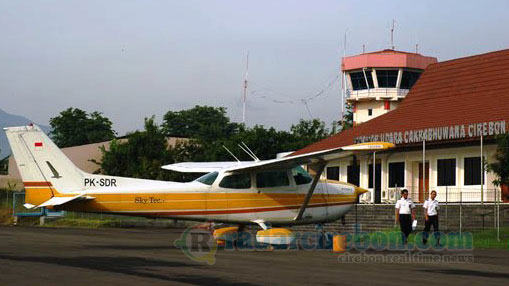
(311, 158)
(203, 167)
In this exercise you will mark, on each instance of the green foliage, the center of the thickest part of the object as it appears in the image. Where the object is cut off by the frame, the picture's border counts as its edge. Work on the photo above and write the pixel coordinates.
(205, 123)
(208, 129)
(347, 121)
(141, 156)
(4, 166)
(75, 127)
(501, 166)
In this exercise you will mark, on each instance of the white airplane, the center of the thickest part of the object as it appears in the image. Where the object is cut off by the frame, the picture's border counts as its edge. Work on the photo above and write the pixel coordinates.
(277, 192)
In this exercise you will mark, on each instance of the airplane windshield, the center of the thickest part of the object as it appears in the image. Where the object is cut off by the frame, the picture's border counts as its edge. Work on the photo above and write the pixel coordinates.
(208, 179)
(300, 176)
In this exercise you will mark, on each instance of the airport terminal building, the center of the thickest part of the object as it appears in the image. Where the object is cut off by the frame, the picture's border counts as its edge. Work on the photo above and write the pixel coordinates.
(442, 123)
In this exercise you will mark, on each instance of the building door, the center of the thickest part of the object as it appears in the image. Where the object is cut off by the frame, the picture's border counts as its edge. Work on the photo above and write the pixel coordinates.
(423, 193)
(377, 190)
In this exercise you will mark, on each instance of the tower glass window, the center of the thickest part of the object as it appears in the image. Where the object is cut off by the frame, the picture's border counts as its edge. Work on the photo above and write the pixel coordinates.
(387, 78)
(359, 81)
(409, 78)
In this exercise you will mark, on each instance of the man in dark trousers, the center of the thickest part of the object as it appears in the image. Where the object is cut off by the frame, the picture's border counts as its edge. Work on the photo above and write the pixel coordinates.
(405, 214)
(431, 217)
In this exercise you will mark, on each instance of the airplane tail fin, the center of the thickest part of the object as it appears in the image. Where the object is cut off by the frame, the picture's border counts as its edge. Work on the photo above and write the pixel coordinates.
(43, 167)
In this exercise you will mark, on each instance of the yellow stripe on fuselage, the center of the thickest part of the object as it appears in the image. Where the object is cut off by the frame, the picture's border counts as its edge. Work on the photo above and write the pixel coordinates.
(141, 202)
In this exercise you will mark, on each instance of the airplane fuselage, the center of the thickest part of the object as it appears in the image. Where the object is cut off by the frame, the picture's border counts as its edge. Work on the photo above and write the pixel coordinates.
(199, 202)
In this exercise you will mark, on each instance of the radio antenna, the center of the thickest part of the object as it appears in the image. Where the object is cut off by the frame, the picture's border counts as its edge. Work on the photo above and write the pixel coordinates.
(251, 151)
(244, 98)
(227, 150)
(392, 35)
(248, 153)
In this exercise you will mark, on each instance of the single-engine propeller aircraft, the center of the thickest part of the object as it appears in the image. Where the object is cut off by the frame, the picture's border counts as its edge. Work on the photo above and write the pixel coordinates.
(277, 192)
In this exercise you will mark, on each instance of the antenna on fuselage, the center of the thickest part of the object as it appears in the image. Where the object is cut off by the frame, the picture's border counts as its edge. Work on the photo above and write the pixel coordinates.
(248, 151)
(251, 151)
(227, 150)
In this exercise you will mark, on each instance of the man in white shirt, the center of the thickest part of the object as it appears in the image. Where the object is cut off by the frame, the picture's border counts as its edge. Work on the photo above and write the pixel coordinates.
(405, 214)
(431, 217)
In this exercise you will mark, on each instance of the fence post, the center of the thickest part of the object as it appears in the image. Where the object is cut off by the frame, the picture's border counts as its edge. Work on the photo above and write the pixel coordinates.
(495, 208)
(498, 215)
(446, 208)
(461, 211)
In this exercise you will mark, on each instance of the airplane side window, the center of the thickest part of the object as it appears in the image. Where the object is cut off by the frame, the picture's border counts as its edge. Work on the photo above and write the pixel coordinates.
(300, 176)
(208, 179)
(272, 179)
(238, 181)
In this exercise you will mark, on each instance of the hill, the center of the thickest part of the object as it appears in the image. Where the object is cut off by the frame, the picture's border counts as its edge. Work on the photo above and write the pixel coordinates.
(8, 120)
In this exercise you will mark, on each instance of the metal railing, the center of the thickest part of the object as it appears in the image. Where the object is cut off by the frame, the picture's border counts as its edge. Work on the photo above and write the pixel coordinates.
(377, 93)
(444, 194)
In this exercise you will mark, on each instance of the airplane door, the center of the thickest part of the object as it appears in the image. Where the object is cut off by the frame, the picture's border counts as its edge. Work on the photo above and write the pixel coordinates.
(234, 199)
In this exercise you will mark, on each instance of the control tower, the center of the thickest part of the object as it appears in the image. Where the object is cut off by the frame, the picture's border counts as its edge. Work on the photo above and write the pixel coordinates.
(377, 82)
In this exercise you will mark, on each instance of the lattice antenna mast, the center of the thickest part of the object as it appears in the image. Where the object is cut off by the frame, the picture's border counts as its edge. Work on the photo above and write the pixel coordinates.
(392, 35)
(244, 99)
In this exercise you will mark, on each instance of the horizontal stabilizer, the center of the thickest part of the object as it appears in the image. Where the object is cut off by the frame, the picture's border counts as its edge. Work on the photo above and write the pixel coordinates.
(56, 201)
(29, 206)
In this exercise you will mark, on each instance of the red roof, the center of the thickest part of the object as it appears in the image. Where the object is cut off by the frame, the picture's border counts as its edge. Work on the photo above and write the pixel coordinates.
(386, 59)
(463, 91)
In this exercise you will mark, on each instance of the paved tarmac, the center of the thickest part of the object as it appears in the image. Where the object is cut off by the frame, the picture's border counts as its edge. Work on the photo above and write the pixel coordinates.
(70, 256)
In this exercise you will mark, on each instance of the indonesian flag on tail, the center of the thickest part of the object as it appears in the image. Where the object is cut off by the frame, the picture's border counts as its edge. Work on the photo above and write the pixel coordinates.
(38, 146)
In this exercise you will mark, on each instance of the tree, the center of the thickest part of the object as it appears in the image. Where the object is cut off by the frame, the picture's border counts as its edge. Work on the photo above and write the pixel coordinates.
(347, 121)
(75, 127)
(307, 132)
(205, 123)
(141, 156)
(501, 166)
(4, 166)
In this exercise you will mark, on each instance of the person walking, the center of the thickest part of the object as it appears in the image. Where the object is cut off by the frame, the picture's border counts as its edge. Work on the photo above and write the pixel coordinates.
(431, 208)
(405, 214)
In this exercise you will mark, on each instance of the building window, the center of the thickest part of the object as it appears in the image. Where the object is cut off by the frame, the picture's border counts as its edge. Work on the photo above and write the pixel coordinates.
(473, 171)
(446, 172)
(370, 112)
(359, 81)
(409, 78)
(387, 78)
(396, 174)
(354, 174)
(333, 173)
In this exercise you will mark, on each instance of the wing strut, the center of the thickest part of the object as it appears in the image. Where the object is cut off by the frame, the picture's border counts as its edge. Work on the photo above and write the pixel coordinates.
(319, 172)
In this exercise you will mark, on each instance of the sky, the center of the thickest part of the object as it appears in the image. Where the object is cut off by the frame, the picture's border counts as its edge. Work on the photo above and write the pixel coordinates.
(134, 59)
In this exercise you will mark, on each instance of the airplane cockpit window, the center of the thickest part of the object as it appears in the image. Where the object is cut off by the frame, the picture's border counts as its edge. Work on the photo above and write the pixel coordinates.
(237, 181)
(272, 179)
(300, 176)
(208, 179)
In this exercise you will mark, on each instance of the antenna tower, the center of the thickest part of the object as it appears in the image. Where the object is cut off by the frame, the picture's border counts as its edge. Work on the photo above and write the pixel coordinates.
(245, 90)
